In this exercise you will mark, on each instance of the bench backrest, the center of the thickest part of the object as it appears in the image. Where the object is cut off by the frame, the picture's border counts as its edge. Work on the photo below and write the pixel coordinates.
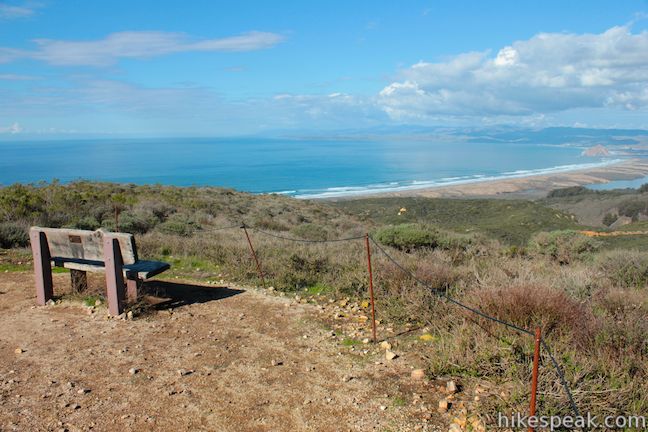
(87, 245)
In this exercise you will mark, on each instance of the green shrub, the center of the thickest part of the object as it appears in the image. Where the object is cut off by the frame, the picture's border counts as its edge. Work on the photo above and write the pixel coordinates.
(569, 191)
(301, 272)
(178, 226)
(564, 246)
(20, 201)
(624, 268)
(632, 208)
(87, 223)
(409, 237)
(13, 235)
(609, 219)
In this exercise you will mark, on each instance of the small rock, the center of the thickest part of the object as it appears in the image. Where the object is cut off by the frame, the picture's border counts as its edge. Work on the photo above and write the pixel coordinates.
(129, 315)
(75, 406)
(365, 340)
(277, 362)
(443, 405)
(133, 371)
(383, 408)
(418, 374)
(83, 391)
(97, 302)
(451, 387)
(50, 302)
(390, 355)
(346, 378)
(185, 372)
(385, 345)
(19, 350)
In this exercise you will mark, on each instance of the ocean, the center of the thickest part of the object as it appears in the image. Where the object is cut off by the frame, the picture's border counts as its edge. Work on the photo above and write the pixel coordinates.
(300, 168)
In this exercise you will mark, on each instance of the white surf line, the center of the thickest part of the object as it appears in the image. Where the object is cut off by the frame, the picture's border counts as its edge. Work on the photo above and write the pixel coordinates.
(347, 191)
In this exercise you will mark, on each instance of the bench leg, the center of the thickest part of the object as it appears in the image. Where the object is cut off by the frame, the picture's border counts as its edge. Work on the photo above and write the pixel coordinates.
(114, 276)
(131, 289)
(42, 267)
(79, 280)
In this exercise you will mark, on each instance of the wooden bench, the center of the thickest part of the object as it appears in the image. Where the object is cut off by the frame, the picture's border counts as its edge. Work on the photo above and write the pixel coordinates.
(90, 251)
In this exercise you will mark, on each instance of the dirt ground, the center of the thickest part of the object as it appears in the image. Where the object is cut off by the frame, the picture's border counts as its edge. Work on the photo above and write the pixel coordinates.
(205, 358)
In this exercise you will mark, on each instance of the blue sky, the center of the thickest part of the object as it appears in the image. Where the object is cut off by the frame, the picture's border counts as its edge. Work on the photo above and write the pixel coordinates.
(214, 68)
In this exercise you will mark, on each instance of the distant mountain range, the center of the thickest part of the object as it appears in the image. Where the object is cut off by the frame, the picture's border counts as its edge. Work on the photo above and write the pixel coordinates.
(504, 134)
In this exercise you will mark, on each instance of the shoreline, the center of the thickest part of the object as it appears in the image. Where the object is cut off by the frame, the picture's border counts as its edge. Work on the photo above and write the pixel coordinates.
(530, 187)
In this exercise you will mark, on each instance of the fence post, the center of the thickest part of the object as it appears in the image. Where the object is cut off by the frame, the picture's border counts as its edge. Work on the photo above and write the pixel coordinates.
(254, 255)
(371, 290)
(534, 377)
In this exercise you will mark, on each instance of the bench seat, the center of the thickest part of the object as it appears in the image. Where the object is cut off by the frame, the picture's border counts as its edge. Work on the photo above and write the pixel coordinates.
(141, 269)
(145, 269)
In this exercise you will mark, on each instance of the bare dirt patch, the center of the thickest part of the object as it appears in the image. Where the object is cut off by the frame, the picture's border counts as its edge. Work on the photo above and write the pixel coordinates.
(206, 358)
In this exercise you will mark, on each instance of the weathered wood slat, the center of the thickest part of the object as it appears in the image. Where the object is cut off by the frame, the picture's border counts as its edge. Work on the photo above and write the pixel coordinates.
(87, 245)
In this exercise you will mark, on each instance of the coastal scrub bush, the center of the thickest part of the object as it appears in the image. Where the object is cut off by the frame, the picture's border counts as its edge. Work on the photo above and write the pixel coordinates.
(178, 226)
(633, 208)
(409, 237)
(569, 191)
(624, 268)
(609, 219)
(310, 231)
(528, 305)
(563, 246)
(13, 235)
(301, 271)
(87, 223)
(20, 202)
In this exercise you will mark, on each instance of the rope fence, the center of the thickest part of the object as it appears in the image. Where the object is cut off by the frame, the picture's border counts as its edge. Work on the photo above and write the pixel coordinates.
(368, 239)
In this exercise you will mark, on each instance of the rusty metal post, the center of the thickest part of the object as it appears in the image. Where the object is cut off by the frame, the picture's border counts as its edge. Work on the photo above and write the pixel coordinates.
(371, 290)
(534, 377)
(254, 255)
(42, 266)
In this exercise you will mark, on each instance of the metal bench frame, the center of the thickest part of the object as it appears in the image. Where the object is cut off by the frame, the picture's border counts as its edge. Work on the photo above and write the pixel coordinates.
(122, 279)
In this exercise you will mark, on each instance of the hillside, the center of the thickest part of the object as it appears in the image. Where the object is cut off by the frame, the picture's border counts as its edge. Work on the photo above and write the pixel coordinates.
(522, 262)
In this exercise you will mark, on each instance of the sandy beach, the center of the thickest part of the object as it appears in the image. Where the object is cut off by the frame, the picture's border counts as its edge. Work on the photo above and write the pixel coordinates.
(532, 186)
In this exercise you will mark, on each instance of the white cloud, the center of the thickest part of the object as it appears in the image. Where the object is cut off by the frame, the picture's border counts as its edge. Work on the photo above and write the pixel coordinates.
(8, 11)
(16, 77)
(550, 72)
(134, 44)
(13, 129)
